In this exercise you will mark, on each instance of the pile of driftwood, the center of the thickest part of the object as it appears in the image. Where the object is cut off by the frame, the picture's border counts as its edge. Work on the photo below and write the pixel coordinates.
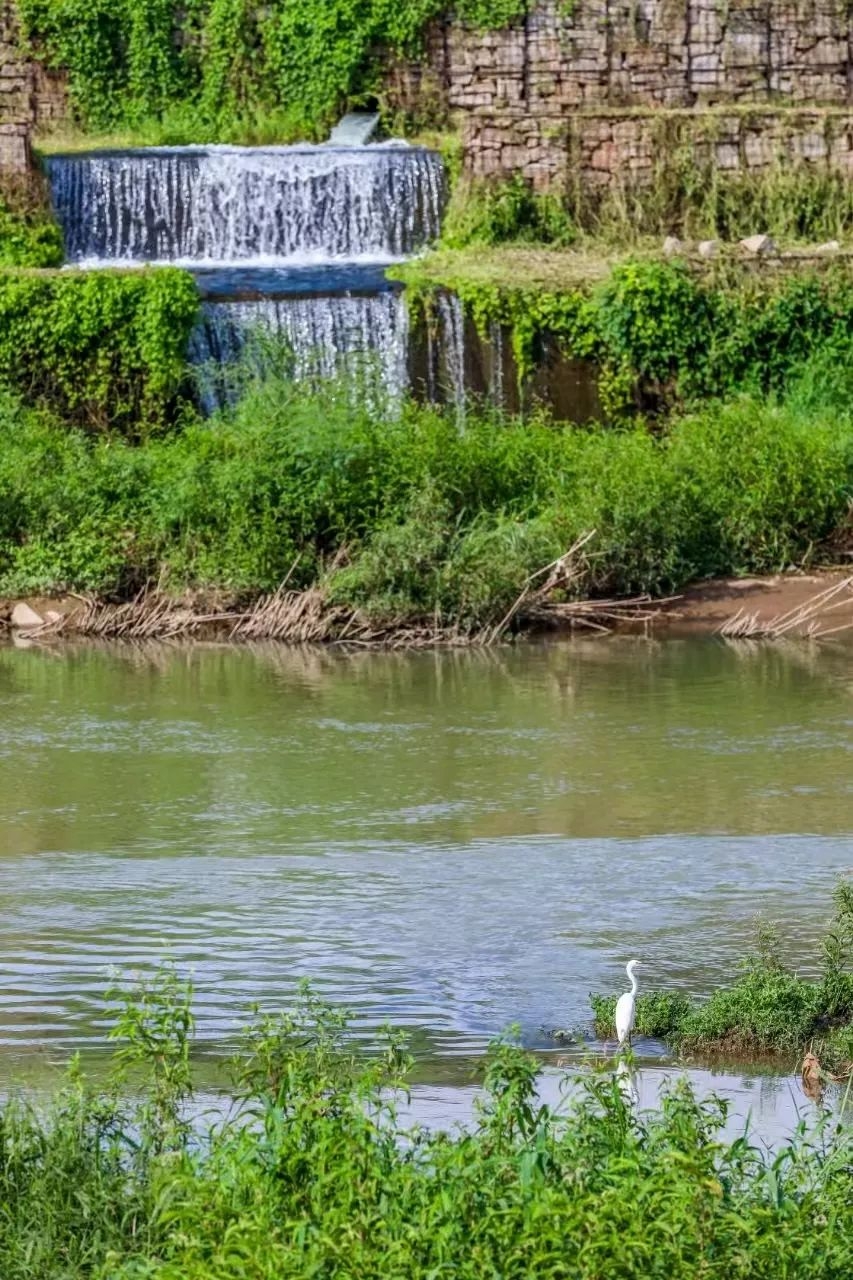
(310, 617)
(808, 620)
(545, 600)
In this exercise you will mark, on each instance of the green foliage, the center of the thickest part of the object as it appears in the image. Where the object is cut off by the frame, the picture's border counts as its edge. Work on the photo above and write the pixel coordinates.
(311, 1171)
(29, 235)
(153, 1027)
(434, 520)
(768, 1010)
(662, 333)
(659, 1014)
(654, 318)
(208, 68)
(506, 212)
(687, 193)
(27, 241)
(104, 350)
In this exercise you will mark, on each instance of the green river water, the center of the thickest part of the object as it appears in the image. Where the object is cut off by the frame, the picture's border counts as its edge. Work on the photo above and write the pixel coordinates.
(451, 842)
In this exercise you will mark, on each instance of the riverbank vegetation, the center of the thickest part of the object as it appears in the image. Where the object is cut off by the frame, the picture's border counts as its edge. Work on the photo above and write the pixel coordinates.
(769, 1009)
(729, 450)
(311, 1169)
(407, 516)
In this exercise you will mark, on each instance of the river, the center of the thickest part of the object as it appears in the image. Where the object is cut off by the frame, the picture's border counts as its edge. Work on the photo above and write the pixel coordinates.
(452, 842)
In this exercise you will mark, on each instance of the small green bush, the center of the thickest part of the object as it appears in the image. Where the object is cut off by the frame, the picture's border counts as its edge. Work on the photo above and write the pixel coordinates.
(104, 350)
(29, 234)
(27, 240)
(505, 213)
(659, 1014)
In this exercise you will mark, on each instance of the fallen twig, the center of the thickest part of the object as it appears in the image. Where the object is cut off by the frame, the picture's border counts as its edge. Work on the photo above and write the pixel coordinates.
(804, 618)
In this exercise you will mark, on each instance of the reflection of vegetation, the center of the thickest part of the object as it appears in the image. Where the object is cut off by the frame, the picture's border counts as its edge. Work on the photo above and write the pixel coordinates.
(768, 1009)
(314, 1172)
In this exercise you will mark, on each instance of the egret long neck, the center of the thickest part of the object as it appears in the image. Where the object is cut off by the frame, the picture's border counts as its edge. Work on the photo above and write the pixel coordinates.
(632, 976)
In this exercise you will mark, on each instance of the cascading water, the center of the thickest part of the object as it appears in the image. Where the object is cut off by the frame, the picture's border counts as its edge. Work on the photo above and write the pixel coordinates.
(361, 339)
(291, 233)
(234, 204)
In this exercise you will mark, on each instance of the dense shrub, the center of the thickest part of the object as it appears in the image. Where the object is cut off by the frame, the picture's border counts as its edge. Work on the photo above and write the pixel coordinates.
(29, 235)
(28, 239)
(436, 520)
(105, 350)
(314, 1173)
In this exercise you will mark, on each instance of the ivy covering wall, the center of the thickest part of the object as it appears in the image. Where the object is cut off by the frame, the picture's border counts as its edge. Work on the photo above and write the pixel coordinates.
(225, 65)
(662, 334)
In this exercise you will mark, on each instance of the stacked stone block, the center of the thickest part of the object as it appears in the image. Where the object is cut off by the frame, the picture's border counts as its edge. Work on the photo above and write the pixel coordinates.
(582, 85)
(29, 95)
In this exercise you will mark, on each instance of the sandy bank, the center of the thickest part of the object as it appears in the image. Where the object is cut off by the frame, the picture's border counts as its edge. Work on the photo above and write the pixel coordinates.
(781, 599)
(795, 604)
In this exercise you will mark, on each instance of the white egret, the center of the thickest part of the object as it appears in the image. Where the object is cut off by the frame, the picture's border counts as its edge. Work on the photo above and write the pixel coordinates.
(626, 1007)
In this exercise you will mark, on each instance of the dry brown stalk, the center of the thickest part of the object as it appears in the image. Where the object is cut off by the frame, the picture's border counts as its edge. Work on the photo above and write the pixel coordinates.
(803, 619)
(307, 616)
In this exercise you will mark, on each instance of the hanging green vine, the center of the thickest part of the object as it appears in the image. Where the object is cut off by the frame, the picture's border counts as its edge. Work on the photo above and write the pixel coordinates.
(662, 333)
(219, 62)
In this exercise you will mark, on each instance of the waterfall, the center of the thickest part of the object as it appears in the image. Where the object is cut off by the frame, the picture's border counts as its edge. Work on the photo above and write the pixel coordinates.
(363, 339)
(236, 204)
(288, 246)
(497, 390)
(451, 327)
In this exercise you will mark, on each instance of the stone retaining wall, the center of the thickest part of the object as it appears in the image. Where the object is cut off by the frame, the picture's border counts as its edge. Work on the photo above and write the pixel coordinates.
(29, 95)
(575, 92)
(600, 149)
(648, 53)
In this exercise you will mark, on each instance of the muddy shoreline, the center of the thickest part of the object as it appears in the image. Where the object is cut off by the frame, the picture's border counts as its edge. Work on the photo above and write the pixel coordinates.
(817, 604)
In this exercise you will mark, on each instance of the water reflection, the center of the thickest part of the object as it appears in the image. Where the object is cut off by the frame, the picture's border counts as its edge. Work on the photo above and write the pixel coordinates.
(769, 1107)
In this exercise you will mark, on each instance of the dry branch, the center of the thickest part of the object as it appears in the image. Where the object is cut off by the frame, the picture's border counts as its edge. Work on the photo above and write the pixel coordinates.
(310, 617)
(803, 620)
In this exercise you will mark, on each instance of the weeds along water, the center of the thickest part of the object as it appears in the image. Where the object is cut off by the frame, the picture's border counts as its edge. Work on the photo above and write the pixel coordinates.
(769, 1010)
(406, 517)
(315, 1172)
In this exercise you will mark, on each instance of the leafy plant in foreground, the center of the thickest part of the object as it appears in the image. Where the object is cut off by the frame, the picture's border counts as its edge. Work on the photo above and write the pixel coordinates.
(309, 1170)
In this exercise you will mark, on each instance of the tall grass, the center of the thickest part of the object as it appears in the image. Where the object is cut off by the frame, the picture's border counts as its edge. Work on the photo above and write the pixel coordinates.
(314, 1172)
(435, 520)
